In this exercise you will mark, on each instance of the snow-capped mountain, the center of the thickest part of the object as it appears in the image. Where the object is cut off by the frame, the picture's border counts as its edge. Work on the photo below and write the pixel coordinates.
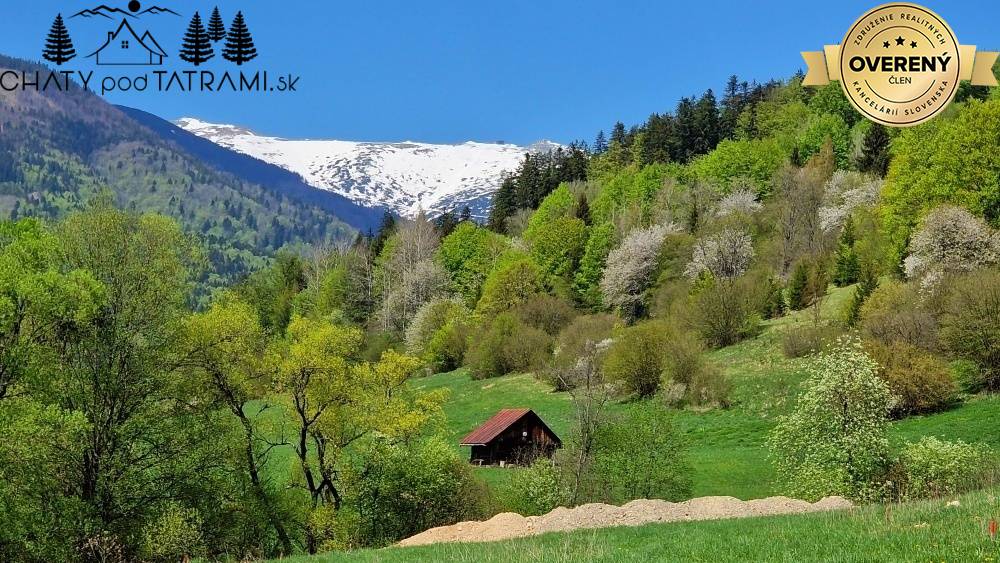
(402, 177)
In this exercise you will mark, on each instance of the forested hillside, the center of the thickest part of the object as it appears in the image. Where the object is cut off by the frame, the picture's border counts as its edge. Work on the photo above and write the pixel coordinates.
(59, 150)
(758, 294)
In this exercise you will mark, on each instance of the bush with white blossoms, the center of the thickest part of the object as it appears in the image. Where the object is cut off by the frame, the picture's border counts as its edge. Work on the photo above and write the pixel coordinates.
(836, 441)
(630, 266)
(742, 200)
(725, 255)
(845, 192)
(951, 240)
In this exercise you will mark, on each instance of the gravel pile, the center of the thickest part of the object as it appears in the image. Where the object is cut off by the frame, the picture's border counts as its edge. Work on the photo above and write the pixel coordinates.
(636, 513)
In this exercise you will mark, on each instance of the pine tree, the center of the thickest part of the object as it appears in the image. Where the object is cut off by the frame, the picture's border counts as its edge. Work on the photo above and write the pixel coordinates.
(59, 47)
(197, 47)
(239, 43)
(446, 223)
(875, 150)
(465, 215)
(867, 284)
(847, 267)
(216, 28)
(798, 287)
(385, 230)
(618, 134)
(600, 143)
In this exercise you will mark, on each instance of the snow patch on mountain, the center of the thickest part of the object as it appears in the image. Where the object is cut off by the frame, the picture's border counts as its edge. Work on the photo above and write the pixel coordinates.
(402, 177)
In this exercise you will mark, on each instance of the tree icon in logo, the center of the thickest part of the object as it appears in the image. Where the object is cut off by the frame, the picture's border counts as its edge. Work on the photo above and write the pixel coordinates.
(239, 43)
(197, 47)
(216, 29)
(58, 46)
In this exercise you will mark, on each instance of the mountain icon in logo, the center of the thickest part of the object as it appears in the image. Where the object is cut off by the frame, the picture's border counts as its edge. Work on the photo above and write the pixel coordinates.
(133, 11)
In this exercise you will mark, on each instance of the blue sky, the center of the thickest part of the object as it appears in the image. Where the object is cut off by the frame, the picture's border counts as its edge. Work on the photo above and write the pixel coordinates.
(518, 70)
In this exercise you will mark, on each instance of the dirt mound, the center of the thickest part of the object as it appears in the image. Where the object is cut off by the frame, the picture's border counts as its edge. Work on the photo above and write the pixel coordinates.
(636, 513)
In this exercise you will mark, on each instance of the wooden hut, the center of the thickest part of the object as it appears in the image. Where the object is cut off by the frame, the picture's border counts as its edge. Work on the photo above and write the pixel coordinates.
(511, 436)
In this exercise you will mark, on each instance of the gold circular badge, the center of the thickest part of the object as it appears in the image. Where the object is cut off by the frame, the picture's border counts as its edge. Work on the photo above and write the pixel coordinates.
(899, 64)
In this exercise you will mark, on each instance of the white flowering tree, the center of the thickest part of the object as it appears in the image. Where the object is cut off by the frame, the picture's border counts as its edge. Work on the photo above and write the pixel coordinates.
(836, 440)
(630, 267)
(845, 192)
(742, 200)
(725, 255)
(951, 240)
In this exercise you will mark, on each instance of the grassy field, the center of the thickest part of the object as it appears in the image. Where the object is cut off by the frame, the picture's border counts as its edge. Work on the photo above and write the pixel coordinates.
(725, 447)
(728, 454)
(923, 531)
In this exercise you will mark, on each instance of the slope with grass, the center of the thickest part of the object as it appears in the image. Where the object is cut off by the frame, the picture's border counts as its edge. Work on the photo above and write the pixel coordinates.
(727, 448)
(921, 531)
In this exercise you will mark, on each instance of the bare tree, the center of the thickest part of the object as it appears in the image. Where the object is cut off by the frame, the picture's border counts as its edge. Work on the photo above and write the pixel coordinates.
(590, 395)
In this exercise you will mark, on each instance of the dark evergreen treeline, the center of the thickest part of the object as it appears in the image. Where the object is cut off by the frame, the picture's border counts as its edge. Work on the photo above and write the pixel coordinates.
(538, 175)
(695, 127)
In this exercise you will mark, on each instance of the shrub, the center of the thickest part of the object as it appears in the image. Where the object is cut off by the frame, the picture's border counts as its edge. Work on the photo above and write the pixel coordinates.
(513, 282)
(741, 201)
(921, 381)
(690, 377)
(572, 343)
(934, 468)
(446, 349)
(725, 312)
(175, 535)
(836, 440)
(654, 355)
(971, 325)
(895, 312)
(724, 255)
(506, 345)
(535, 489)
(967, 376)
(428, 320)
(406, 489)
(635, 358)
(546, 312)
(807, 339)
(641, 456)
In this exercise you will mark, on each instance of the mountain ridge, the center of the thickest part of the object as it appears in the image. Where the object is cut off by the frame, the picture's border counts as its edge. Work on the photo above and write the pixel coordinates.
(403, 177)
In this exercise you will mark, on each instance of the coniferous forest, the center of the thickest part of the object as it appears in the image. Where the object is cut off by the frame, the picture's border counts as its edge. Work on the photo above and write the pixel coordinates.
(196, 367)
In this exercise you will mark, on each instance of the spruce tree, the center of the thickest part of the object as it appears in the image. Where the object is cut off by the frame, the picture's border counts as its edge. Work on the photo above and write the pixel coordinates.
(875, 150)
(239, 43)
(58, 46)
(216, 28)
(846, 268)
(466, 214)
(867, 285)
(798, 287)
(600, 143)
(197, 47)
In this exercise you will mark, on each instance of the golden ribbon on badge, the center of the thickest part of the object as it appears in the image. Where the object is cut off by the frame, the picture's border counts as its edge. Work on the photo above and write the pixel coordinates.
(900, 64)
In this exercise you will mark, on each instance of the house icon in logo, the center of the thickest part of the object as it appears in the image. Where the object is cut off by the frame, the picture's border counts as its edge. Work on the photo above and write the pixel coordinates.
(125, 47)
